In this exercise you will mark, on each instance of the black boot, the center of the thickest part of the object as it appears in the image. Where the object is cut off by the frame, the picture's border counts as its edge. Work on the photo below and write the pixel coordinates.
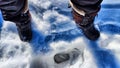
(91, 32)
(24, 27)
(85, 21)
(23, 23)
(86, 24)
(17, 11)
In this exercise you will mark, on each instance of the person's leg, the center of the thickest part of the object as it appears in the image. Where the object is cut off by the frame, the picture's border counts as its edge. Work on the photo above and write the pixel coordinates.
(17, 12)
(84, 12)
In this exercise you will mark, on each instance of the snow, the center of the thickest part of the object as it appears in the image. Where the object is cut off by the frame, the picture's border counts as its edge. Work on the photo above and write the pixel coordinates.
(111, 2)
(0, 21)
(55, 31)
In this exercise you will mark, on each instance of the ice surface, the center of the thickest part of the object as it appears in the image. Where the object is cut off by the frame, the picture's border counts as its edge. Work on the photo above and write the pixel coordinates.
(55, 31)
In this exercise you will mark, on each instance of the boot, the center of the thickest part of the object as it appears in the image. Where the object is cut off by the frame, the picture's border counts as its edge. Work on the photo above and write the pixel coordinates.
(24, 24)
(20, 16)
(24, 27)
(85, 22)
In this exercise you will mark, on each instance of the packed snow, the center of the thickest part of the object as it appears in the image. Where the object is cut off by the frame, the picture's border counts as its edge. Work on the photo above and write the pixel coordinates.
(55, 31)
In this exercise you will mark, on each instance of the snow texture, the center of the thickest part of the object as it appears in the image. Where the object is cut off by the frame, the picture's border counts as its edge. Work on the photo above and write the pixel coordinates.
(55, 31)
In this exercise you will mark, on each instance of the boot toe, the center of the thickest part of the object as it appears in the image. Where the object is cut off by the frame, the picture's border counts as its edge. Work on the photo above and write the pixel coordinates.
(92, 35)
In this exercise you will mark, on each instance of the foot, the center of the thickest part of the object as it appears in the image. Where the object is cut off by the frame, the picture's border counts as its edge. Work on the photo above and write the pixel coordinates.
(19, 15)
(85, 21)
(24, 27)
(91, 32)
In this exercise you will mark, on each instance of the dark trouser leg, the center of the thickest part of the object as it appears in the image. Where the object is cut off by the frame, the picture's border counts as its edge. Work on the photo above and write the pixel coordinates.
(17, 12)
(84, 12)
(89, 6)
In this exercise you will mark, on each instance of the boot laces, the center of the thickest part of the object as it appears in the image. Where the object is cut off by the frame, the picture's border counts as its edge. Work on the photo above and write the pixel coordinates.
(87, 20)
